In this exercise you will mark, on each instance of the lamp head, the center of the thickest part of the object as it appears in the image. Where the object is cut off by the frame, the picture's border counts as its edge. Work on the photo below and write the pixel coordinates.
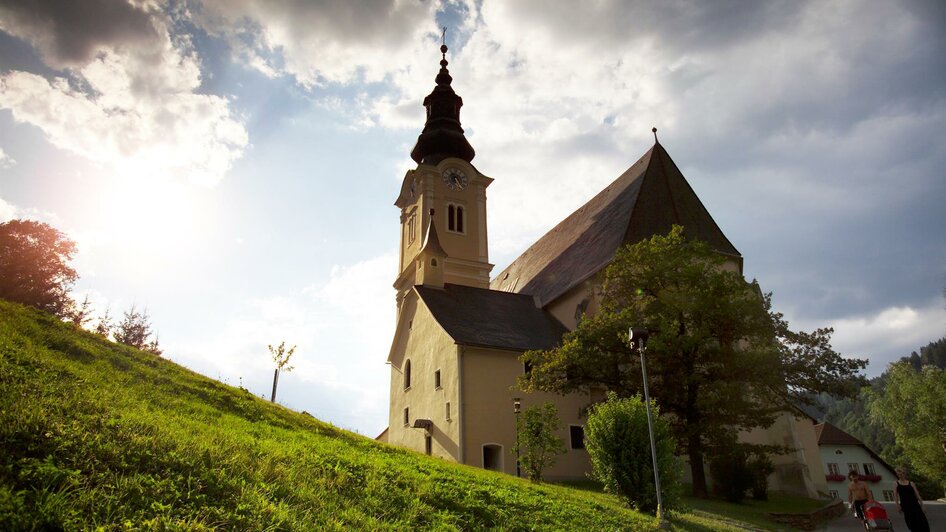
(516, 405)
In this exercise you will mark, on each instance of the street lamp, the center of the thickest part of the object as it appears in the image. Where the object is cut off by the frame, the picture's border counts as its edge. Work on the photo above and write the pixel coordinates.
(516, 409)
(639, 337)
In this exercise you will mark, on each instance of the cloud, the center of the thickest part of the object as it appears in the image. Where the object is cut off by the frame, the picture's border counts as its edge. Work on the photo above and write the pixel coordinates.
(325, 42)
(5, 160)
(8, 211)
(885, 336)
(130, 98)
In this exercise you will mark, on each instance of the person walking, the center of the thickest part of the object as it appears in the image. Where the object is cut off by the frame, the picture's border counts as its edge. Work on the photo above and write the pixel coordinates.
(910, 504)
(857, 494)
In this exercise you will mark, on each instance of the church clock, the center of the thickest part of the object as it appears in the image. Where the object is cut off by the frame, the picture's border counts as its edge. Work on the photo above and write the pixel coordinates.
(455, 179)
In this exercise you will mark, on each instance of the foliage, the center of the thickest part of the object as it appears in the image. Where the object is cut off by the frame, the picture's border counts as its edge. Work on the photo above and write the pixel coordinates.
(97, 435)
(104, 326)
(80, 313)
(281, 357)
(536, 444)
(760, 466)
(729, 468)
(135, 330)
(34, 266)
(913, 406)
(618, 442)
(719, 358)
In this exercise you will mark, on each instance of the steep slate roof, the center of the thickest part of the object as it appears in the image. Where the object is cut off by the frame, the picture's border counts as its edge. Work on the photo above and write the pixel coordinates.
(487, 318)
(645, 200)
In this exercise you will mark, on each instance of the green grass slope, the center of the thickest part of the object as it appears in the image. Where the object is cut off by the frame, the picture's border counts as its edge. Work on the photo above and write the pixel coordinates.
(95, 435)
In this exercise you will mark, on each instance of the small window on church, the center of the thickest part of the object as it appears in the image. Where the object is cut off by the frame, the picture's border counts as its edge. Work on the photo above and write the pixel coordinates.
(411, 229)
(407, 416)
(451, 218)
(433, 262)
(459, 219)
(407, 375)
(448, 410)
(437, 380)
(455, 218)
(576, 435)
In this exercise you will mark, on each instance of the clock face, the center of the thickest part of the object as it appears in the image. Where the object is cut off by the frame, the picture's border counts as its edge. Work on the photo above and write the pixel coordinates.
(455, 179)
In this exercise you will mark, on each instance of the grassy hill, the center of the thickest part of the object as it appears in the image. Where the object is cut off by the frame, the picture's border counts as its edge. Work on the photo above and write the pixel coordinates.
(98, 435)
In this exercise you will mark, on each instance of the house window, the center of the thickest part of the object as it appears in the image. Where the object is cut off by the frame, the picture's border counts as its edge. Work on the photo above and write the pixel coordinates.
(834, 494)
(869, 469)
(833, 469)
(493, 457)
(407, 416)
(455, 218)
(576, 435)
(888, 495)
(448, 410)
(437, 380)
(407, 375)
(856, 468)
(527, 367)
(411, 229)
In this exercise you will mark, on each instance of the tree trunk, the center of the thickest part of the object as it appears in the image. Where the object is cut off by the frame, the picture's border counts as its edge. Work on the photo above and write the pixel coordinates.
(272, 398)
(695, 453)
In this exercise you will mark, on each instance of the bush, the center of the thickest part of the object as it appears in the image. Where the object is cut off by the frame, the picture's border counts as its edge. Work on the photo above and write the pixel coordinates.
(731, 474)
(618, 443)
(536, 443)
(760, 467)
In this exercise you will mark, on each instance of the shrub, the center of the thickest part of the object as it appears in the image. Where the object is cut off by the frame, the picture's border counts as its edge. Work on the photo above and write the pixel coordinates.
(731, 474)
(760, 467)
(536, 442)
(618, 443)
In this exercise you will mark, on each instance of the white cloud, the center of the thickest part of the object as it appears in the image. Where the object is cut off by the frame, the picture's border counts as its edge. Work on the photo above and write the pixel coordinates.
(5, 160)
(885, 336)
(8, 211)
(319, 43)
(129, 102)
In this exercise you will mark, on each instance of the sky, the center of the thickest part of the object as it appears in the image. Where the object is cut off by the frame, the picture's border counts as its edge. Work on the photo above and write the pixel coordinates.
(231, 165)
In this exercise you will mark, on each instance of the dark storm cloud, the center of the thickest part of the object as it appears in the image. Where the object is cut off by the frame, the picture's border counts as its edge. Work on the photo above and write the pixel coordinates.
(69, 33)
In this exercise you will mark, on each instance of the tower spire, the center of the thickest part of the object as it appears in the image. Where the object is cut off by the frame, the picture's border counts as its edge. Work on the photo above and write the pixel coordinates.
(442, 136)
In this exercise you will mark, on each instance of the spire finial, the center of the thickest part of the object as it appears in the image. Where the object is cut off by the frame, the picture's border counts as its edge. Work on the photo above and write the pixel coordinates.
(443, 47)
(655, 134)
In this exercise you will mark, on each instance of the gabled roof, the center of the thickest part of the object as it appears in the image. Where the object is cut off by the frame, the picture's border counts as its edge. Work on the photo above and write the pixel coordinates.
(487, 318)
(647, 199)
(828, 434)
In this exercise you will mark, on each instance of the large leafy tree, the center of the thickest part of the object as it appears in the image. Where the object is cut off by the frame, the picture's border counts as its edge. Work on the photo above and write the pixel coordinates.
(913, 406)
(719, 359)
(34, 266)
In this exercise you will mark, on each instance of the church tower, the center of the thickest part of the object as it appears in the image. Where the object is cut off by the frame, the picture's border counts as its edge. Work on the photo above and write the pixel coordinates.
(443, 197)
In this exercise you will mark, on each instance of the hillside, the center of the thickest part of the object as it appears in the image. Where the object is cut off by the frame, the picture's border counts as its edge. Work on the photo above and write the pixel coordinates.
(96, 434)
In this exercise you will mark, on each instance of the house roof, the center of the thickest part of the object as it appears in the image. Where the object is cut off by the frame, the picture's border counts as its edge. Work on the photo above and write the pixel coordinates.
(647, 199)
(488, 318)
(828, 434)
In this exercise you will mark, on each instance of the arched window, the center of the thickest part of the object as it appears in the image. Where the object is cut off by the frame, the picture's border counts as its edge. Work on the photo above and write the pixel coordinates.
(455, 218)
(407, 374)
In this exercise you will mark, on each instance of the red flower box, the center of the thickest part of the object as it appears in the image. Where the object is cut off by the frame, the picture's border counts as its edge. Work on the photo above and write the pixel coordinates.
(834, 478)
(871, 478)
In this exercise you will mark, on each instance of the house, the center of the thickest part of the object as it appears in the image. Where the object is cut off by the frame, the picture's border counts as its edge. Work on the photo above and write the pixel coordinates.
(842, 453)
(455, 354)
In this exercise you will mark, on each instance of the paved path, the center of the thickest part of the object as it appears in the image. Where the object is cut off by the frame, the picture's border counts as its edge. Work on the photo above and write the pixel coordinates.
(935, 514)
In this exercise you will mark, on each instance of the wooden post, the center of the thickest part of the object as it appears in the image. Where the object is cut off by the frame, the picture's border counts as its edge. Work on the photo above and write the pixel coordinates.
(272, 398)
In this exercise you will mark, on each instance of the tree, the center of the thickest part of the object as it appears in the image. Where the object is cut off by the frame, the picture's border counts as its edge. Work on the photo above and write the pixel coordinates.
(536, 444)
(79, 314)
(913, 406)
(104, 326)
(281, 358)
(135, 330)
(719, 359)
(34, 266)
(618, 443)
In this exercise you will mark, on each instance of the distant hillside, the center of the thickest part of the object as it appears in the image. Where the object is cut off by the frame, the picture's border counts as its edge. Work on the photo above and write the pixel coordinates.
(95, 434)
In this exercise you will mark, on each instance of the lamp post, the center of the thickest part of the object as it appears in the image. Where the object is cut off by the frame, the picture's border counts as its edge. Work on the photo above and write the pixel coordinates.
(639, 336)
(516, 409)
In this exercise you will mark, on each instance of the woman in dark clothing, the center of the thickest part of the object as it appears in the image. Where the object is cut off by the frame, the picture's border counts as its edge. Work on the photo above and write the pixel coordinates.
(910, 504)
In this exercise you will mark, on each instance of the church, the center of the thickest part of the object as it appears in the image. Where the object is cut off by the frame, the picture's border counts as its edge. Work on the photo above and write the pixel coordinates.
(454, 358)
